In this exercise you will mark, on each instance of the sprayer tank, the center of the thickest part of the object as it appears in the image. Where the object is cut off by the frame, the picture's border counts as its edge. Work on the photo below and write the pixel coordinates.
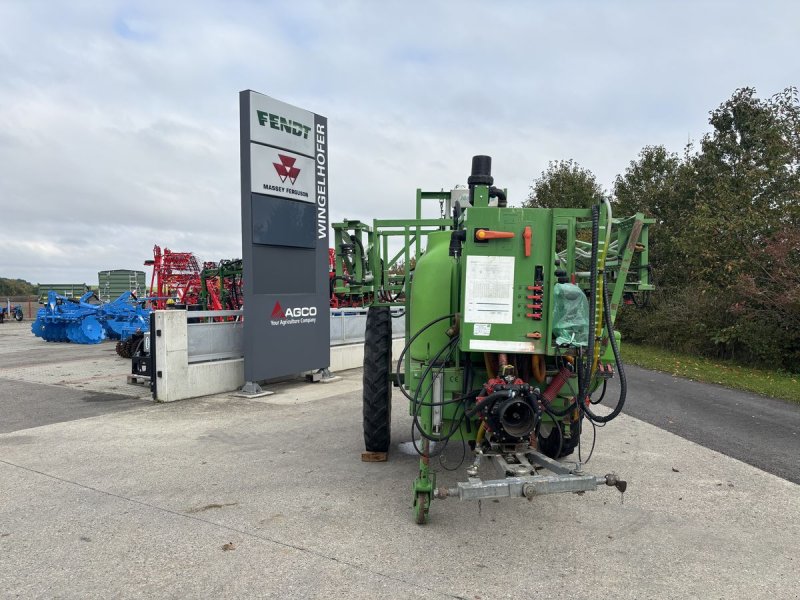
(431, 296)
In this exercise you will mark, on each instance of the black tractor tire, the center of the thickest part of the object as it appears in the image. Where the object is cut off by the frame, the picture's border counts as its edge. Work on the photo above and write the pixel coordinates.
(377, 379)
(549, 445)
(18, 316)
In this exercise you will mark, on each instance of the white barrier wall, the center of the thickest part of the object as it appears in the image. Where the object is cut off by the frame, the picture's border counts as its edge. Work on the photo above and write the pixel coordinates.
(178, 379)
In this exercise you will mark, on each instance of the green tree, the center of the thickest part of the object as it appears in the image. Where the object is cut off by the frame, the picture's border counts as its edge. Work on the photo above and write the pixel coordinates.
(658, 184)
(725, 243)
(564, 184)
(16, 287)
(746, 183)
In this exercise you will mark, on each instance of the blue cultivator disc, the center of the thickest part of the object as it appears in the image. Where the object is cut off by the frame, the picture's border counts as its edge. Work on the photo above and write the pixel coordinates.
(92, 330)
(114, 327)
(37, 327)
(55, 332)
(75, 334)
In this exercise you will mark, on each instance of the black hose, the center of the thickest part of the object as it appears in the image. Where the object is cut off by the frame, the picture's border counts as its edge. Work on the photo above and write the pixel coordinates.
(591, 451)
(623, 382)
(469, 376)
(585, 372)
(357, 241)
(451, 346)
(456, 423)
(556, 425)
(602, 395)
(500, 195)
(408, 345)
(488, 400)
(456, 214)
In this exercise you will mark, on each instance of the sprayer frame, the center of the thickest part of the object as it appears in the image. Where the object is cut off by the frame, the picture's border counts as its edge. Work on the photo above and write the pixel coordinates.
(365, 268)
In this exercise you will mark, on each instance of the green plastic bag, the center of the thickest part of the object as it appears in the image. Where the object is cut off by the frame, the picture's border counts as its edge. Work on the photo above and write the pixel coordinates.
(570, 315)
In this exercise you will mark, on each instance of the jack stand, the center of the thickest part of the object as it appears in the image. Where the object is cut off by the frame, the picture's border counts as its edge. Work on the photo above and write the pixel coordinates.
(423, 485)
(252, 390)
(322, 376)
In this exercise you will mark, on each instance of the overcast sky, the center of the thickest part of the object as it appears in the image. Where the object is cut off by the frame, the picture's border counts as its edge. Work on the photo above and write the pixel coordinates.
(119, 120)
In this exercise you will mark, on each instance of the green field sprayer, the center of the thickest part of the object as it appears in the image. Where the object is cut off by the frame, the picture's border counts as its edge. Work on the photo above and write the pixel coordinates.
(509, 340)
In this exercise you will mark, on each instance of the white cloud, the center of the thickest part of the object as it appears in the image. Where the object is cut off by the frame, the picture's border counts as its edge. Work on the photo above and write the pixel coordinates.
(119, 125)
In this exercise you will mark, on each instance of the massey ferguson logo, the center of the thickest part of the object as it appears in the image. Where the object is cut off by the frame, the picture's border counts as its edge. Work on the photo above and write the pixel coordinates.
(293, 316)
(286, 169)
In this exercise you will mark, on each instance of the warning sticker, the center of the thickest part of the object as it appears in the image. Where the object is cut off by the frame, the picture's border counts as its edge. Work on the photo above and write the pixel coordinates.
(481, 329)
(489, 293)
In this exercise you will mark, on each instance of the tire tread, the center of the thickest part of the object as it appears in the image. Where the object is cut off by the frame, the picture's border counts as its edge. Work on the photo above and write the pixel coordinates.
(377, 408)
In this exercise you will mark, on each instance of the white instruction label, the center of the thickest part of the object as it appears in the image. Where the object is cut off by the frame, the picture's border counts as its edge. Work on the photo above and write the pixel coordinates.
(489, 293)
(481, 329)
(501, 346)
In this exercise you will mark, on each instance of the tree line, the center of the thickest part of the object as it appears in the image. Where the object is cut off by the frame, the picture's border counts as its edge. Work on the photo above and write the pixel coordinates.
(16, 287)
(725, 248)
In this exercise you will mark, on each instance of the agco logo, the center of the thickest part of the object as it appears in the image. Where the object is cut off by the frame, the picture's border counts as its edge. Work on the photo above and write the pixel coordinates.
(286, 169)
(289, 316)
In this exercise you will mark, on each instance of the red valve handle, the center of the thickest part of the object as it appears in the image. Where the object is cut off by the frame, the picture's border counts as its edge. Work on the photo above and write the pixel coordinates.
(487, 234)
(526, 235)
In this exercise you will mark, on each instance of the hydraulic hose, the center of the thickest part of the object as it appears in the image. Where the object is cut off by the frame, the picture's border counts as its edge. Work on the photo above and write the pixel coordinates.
(408, 345)
(556, 384)
(480, 434)
(345, 278)
(601, 284)
(552, 391)
(450, 346)
(500, 195)
(538, 367)
(487, 361)
(488, 400)
(556, 426)
(585, 372)
(417, 405)
(357, 241)
(623, 382)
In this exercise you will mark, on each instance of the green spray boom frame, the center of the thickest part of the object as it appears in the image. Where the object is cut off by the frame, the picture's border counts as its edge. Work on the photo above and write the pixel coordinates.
(366, 268)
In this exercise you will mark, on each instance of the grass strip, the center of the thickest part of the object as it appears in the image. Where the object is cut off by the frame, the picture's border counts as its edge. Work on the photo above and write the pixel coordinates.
(776, 384)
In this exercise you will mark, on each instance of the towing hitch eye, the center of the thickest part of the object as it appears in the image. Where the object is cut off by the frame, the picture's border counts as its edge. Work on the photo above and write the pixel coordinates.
(620, 484)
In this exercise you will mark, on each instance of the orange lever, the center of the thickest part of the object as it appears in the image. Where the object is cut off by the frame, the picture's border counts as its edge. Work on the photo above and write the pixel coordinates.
(487, 234)
(526, 235)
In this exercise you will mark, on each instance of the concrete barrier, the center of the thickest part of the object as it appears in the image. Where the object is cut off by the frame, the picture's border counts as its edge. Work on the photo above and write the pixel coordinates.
(176, 377)
(179, 376)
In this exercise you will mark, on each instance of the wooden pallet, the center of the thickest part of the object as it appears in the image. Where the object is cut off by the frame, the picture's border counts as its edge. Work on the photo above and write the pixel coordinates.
(374, 457)
(138, 380)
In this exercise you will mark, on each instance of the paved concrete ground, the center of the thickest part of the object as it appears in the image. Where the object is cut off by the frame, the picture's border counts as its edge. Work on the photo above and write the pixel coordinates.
(141, 502)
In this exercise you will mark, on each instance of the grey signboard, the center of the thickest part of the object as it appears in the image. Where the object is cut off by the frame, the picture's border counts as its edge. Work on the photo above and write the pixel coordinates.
(284, 166)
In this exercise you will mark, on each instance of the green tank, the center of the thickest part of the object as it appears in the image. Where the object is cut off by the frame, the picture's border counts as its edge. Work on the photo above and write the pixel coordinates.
(431, 296)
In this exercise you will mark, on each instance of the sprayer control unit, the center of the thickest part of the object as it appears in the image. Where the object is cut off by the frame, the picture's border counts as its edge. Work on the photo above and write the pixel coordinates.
(510, 337)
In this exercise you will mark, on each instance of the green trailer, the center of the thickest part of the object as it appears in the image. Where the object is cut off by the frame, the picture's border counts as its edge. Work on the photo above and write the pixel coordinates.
(509, 333)
(114, 282)
(68, 290)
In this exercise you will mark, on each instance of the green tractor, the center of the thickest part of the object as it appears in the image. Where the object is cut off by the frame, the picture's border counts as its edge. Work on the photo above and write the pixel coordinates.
(510, 339)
